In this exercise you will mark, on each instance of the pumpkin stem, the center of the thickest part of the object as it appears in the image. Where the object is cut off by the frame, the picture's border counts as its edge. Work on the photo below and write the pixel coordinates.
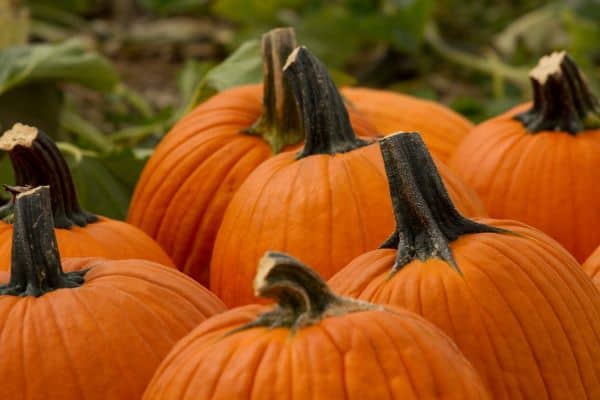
(37, 161)
(279, 124)
(426, 219)
(562, 100)
(323, 115)
(303, 297)
(35, 262)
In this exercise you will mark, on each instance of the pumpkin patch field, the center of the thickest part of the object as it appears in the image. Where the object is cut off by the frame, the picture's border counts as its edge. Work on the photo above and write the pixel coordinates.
(304, 200)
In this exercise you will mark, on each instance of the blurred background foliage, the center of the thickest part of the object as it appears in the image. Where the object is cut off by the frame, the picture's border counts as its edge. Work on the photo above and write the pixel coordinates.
(107, 78)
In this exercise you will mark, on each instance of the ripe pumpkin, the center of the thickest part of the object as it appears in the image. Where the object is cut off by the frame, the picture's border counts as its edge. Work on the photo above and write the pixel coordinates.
(202, 161)
(305, 203)
(540, 163)
(442, 129)
(98, 332)
(592, 266)
(313, 345)
(515, 302)
(37, 161)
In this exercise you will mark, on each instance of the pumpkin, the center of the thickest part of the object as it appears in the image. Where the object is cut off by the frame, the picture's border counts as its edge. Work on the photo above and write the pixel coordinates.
(515, 302)
(305, 203)
(592, 266)
(540, 163)
(97, 332)
(37, 161)
(313, 345)
(441, 128)
(203, 160)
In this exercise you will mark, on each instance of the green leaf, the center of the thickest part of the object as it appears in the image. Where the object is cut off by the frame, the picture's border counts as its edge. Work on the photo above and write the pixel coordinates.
(242, 67)
(36, 104)
(69, 61)
(105, 183)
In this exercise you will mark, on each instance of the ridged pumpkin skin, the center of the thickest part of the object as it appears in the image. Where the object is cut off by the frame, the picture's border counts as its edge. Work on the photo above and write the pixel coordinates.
(548, 179)
(523, 312)
(341, 349)
(441, 128)
(592, 267)
(106, 238)
(103, 340)
(190, 179)
(324, 209)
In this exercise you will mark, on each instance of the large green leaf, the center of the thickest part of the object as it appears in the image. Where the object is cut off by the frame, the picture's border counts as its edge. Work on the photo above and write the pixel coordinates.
(69, 61)
(243, 66)
(105, 183)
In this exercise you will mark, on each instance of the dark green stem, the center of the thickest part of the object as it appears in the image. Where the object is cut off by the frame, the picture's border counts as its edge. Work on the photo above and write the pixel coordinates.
(426, 219)
(562, 100)
(37, 161)
(323, 115)
(279, 124)
(35, 261)
(303, 298)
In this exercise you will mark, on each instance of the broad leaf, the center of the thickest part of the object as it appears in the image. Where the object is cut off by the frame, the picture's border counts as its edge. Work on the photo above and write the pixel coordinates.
(105, 184)
(69, 61)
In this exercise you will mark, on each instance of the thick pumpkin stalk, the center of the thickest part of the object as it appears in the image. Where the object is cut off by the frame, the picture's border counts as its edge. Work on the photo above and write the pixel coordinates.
(303, 297)
(278, 124)
(35, 261)
(37, 161)
(562, 100)
(323, 115)
(426, 219)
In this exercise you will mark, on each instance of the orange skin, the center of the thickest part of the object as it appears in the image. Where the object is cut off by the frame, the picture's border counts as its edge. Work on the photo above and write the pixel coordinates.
(441, 128)
(103, 340)
(592, 267)
(363, 355)
(322, 209)
(523, 312)
(547, 179)
(106, 238)
(190, 179)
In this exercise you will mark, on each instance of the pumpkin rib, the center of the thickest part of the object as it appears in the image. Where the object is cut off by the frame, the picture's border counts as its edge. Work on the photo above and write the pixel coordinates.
(100, 329)
(166, 223)
(405, 366)
(582, 300)
(357, 200)
(143, 305)
(565, 333)
(495, 349)
(524, 332)
(66, 348)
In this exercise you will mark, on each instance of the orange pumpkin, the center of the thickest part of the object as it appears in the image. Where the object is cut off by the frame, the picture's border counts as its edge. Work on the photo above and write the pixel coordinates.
(194, 172)
(96, 333)
(313, 345)
(305, 203)
(442, 129)
(515, 302)
(592, 266)
(37, 161)
(540, 163)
